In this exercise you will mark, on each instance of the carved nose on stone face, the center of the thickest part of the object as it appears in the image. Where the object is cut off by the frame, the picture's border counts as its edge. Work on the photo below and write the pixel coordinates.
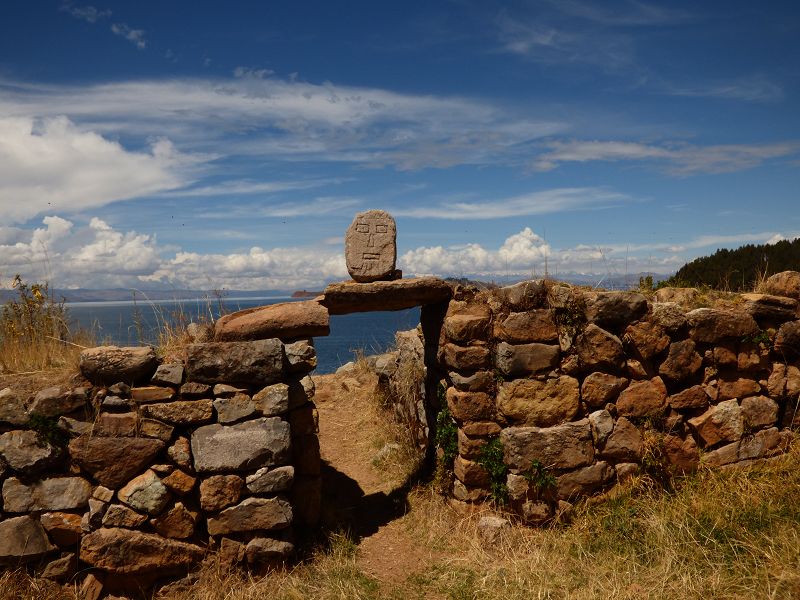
(371, 241)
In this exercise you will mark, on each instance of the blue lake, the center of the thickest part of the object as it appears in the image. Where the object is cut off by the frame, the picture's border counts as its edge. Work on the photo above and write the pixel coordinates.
(133, 323)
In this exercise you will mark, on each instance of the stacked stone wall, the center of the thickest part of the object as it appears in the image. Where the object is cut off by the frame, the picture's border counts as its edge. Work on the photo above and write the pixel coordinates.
(142, 467)
(580, 386)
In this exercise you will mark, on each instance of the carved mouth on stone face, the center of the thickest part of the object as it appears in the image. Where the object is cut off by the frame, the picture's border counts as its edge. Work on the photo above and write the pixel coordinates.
(370, 256)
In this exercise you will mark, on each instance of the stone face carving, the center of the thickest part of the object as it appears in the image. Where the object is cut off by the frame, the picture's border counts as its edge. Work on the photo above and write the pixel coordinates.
(371, 246)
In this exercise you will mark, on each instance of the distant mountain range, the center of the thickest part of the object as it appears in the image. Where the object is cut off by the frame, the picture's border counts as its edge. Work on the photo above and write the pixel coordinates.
(121, 294)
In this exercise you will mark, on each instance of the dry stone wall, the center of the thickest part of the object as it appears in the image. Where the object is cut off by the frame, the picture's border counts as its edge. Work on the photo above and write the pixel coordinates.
(145, 466)
(578, 386)
(141, 467)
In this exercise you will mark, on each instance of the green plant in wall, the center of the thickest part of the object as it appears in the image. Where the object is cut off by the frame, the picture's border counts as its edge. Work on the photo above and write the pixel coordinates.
(447, 443)
(540, 477)
(47, 430)
(447, 436)
(571, 317)
(491, 459)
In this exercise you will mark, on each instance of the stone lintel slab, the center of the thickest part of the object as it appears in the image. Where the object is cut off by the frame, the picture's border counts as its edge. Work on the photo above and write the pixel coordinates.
(350, 297)
(287, 320)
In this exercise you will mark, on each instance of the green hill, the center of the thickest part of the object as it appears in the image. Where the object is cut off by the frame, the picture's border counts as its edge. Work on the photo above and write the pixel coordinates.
(740, 269)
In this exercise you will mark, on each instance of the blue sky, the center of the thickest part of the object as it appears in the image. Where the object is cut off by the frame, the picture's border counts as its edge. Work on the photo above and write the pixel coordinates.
(196, 144)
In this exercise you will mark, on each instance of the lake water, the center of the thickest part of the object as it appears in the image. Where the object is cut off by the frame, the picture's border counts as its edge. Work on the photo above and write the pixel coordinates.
(133, 323)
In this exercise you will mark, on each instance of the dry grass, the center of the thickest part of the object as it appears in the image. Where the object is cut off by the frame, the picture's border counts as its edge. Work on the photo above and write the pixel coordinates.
(35, 335)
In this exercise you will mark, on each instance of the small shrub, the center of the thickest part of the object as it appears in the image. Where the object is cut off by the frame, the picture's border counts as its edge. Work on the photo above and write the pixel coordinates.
(540, 478)
(47, 430)
(447, 436)
(491, 459)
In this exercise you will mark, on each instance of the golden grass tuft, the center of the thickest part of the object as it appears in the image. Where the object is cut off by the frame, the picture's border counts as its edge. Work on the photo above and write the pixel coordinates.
(35, 335)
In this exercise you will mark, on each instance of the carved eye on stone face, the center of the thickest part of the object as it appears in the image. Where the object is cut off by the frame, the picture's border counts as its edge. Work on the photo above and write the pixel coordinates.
(362, 228)
(381, 228)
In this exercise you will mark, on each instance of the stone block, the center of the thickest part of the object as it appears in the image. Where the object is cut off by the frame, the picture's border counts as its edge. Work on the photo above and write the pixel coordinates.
(220, 491)
(181, 412)
(252, 514)
(111, 364)
(529, 326)
(720, 423)
(287, 320)
(245, 446)
(22, 539)
(540, 403)
(643, 399)
(566, 446)
(598, 389)
(125, 552)
(24, 452)
(599, 350)
(466, 358)
(524, 359)
(711, 326)
(470, 406)
(55, 493)
(258, 362)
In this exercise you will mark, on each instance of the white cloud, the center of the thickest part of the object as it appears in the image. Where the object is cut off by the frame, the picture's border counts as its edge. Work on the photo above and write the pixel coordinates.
(536, 203)
(753, 89)
(52, 165)
(677, 158)
(625, 14)
(290, 120)
(97, 255)
(252, 73)
(134, 36)
(90, 14)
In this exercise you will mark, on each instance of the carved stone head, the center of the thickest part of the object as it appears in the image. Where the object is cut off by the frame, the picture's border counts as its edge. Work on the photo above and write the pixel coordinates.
(370, 246)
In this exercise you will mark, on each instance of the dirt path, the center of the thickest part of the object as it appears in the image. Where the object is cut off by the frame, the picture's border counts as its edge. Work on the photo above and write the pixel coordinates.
(361, 492)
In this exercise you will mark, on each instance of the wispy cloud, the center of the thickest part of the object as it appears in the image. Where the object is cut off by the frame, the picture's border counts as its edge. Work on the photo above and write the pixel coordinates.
(246, 187)
(751, 89)
(536, 203)
(627, 13)
(679, 159)
(134, 36)
(543, 42)
(89, 13)
(252, 73)
(294, 121)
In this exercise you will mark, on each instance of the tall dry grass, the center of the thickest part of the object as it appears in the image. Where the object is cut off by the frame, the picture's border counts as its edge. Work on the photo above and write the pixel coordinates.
(35, 333)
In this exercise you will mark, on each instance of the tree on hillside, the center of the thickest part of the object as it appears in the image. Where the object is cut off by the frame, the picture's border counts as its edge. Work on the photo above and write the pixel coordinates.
(740, 269)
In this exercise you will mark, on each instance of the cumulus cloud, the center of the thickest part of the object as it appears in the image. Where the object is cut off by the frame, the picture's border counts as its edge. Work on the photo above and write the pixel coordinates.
(97, 255)
(52, 165)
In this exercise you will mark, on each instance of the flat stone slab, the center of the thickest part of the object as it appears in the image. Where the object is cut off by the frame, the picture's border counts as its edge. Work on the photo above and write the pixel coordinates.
(351, 297)
(259, 362)
(22, 539)
(248, 445)
(126, 552)
(287, 320)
